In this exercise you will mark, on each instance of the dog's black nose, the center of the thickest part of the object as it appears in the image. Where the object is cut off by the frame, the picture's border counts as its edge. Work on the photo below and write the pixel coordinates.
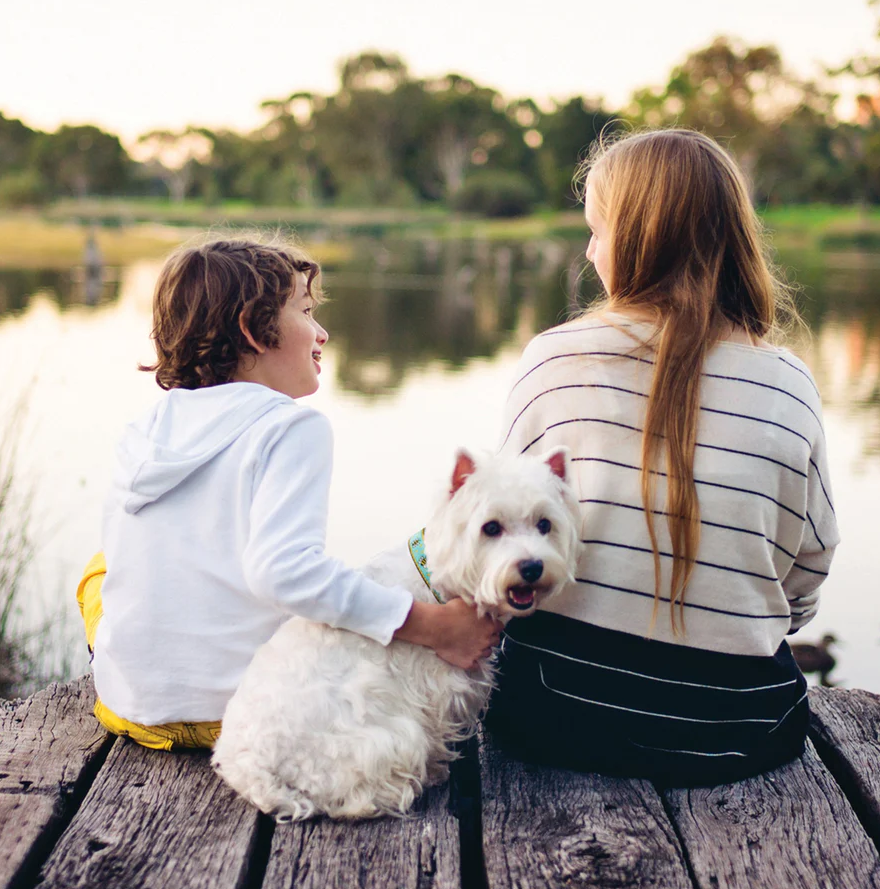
(530, 569)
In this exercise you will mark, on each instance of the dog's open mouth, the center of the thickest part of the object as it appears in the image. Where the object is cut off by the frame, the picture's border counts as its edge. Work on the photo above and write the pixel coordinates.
(522, 596)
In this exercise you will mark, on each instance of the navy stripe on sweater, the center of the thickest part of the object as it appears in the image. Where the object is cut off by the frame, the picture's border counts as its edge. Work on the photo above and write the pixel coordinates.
(703, 521)
(696, 481)
(588, 581)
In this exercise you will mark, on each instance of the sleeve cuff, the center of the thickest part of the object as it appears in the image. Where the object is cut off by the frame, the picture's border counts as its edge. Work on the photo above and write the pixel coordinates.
(379, 611)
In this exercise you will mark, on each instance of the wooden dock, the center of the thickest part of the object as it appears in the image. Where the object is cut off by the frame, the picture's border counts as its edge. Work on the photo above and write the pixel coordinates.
(80, 808)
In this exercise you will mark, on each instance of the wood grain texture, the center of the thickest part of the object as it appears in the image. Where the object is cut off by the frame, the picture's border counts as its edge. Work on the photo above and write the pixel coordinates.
(846, 728)
(155, 819)
(419, 852)
(547, 827)
(789, 829)
(48, 747)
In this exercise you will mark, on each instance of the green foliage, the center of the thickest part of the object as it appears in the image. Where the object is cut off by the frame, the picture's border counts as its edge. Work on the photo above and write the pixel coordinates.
(81, 161)
(16, 144)
(22, 188)
(716, 91)
(496, 193)
(567, 134)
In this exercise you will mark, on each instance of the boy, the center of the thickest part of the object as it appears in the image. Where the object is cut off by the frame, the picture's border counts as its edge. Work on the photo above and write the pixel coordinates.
(214, 525)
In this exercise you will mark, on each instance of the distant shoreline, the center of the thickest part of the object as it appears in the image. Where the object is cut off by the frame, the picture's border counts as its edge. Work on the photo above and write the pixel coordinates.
(129, 229)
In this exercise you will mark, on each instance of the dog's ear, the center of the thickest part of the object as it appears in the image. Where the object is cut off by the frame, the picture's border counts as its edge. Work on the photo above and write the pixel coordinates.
(464, 466)
(557, 460)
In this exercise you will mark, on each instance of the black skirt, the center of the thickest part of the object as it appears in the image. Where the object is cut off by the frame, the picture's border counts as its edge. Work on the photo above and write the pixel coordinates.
(575, 695)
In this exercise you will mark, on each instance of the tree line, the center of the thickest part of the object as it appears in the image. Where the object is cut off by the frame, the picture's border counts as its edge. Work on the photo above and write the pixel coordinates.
(388, 139)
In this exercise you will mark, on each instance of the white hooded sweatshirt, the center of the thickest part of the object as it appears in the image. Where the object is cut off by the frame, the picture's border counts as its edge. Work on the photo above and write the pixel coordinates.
(214, 535)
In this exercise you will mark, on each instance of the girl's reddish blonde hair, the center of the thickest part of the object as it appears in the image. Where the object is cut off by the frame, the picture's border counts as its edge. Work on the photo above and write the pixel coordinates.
(686, 250)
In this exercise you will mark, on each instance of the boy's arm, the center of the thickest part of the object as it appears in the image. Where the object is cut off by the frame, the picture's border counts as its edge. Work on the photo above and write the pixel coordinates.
(284, 559)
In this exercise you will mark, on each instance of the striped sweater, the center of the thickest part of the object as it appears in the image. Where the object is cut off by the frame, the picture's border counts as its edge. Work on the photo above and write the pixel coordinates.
(768, 526)
(599, 692)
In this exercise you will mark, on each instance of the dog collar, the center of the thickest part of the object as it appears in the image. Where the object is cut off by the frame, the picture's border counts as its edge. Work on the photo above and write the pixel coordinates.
(420, 559)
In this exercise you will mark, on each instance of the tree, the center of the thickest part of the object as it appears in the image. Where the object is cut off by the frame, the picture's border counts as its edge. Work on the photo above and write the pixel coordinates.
(20, 183)
(356, 131)
(173, 156)
(731, 92)
(862, 139)
(81, 160)
(464, 125)
(16, 144)
(807, 157)
(567, 132)
(285, 165)
(863, 67)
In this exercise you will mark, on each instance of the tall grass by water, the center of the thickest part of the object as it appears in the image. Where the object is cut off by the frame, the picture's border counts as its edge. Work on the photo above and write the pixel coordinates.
(25, 647)
(16, 551)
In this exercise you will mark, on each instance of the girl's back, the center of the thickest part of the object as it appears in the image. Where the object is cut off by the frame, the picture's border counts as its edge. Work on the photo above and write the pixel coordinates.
(767, 524)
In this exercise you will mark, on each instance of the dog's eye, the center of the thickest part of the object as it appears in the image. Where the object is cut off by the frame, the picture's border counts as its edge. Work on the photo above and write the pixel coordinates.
(544, 526)
(492, 529)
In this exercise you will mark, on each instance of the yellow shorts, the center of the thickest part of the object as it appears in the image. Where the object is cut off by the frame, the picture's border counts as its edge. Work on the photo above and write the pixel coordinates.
(170, 736)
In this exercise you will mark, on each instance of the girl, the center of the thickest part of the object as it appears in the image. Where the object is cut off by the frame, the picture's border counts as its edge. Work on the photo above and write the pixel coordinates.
(699, 461)
(214, 526)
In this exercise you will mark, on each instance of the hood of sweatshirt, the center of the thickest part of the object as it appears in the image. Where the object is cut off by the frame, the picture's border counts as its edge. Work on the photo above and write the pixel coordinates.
(182, 432)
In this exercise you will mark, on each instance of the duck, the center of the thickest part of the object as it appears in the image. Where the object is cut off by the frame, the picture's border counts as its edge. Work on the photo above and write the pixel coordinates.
(816, 658)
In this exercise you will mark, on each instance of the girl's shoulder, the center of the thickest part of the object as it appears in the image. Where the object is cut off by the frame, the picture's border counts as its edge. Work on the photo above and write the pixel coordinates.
(773, 368)
(592, 334)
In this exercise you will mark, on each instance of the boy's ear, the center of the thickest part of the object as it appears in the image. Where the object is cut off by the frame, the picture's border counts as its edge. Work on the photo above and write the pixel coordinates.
(464, 466)
(257, 347)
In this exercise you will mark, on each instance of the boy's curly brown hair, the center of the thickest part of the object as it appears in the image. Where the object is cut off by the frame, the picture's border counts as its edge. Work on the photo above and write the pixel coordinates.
(200, 295)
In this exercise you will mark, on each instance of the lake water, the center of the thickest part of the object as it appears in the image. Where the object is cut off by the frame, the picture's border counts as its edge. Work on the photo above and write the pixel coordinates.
(424, 336)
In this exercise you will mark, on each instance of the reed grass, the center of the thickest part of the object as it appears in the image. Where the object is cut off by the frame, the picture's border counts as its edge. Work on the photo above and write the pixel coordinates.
(31, 655)
(16, 552)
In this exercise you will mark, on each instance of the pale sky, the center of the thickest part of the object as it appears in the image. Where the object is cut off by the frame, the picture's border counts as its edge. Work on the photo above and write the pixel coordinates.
(132, 67)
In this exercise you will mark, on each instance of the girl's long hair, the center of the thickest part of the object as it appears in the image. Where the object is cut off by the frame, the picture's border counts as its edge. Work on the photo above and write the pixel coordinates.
(686, 250)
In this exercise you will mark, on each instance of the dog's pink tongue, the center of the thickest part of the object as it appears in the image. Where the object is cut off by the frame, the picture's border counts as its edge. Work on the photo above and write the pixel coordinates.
(522, 595)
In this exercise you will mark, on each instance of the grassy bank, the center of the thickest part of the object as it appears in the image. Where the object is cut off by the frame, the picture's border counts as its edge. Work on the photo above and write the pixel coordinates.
(313, 224)
(824, 227)
(129, 229)
(814, 225)
(31, 240)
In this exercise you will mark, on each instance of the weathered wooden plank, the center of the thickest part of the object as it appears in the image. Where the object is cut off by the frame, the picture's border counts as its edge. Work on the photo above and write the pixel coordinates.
(846, 729)
(155, 819)
(547, 827)
(788, 829)
(419, 852)
(50, 746)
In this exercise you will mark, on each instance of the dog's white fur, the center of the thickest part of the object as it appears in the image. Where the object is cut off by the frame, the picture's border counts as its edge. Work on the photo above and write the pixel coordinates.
(327, 721)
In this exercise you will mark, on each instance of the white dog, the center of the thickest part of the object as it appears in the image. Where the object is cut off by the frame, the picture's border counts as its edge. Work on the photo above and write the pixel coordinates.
(327, 721)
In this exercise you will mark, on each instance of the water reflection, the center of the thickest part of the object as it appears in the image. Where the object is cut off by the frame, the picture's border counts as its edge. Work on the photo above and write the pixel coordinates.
(840, 304)
(399, 306)
(76, 286)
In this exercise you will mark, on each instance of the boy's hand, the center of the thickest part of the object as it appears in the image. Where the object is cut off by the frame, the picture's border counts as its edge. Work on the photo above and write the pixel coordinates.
(453, 630)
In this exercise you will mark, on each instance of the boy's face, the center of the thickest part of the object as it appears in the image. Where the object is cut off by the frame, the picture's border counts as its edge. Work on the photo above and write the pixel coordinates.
(292, 367)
